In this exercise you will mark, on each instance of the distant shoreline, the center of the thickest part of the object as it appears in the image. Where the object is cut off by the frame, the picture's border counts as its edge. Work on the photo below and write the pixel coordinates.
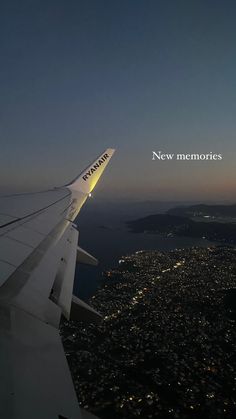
(215, 223)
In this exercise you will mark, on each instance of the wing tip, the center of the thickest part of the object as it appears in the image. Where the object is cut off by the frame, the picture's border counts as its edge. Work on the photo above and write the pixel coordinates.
(88, 178)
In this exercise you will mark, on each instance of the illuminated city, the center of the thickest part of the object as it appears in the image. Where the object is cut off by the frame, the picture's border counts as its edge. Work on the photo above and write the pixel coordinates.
(166, 345)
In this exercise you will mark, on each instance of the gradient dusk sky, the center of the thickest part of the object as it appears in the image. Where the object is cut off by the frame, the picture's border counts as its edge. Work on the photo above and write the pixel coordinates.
(80, 76)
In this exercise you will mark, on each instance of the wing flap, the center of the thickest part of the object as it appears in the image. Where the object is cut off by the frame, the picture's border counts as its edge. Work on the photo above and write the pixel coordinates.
(83, 312)
(85, 257)
(63, 285)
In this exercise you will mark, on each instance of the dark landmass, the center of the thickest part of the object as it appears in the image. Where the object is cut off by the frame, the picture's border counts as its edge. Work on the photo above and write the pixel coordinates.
(160, 223)
(168, 224)
(204, 210)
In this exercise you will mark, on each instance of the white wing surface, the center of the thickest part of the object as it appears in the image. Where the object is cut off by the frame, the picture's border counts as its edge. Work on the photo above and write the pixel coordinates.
(38, 254)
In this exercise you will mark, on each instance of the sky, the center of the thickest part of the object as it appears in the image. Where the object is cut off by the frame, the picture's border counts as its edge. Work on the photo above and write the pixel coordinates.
(139, 76)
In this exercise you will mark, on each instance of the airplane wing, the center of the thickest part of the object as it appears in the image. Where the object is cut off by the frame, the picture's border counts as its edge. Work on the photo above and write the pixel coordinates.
(38, 254)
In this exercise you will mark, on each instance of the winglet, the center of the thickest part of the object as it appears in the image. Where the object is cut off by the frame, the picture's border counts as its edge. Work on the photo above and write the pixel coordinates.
(87, 180)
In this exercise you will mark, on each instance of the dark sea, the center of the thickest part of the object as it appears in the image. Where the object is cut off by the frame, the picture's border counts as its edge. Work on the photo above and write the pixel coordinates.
(103, 233)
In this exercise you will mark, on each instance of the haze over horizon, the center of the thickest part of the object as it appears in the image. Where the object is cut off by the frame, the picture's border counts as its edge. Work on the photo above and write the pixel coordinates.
(78, 77)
